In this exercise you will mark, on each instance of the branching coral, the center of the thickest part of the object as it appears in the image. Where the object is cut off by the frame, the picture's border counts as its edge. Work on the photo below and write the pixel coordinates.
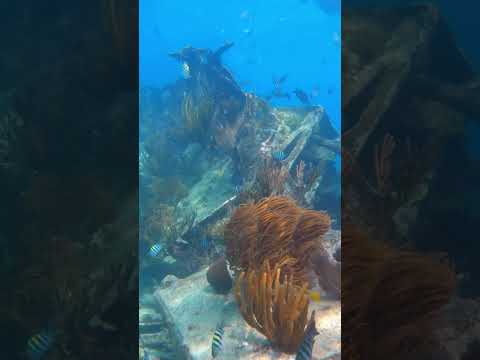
(274, 305)
(277, 230)
(270, 179)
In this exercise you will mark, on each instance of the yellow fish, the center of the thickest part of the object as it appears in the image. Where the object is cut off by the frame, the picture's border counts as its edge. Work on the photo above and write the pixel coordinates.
(314, 295)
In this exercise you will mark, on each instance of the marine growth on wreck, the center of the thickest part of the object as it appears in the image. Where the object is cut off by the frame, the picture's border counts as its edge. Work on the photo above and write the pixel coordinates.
(237, 191)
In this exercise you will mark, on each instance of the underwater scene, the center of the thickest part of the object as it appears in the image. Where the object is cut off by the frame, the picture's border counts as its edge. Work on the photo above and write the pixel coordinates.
(239, 166)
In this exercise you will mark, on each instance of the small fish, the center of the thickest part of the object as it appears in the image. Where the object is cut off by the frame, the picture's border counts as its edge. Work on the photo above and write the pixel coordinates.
(39, 344)
(305, 350)
(314, 295)
(204, 244)
(302, 96)
(186, 70)
(155, 250)
(278, 155)
(145, 355)
(277, 82)
(217, 340)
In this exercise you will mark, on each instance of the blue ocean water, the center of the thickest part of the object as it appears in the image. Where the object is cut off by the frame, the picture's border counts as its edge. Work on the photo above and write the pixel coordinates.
(272, 38)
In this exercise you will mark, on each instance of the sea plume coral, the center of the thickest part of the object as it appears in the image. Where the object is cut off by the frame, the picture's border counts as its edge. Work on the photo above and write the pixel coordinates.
(274, 305)
(270, 178)
(277, 230)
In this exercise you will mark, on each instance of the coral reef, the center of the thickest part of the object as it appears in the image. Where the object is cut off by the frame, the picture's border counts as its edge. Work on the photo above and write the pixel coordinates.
(273, 305)
(224, 152)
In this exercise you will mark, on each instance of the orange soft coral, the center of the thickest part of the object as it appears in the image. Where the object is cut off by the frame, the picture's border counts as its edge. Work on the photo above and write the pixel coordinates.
(275, 230)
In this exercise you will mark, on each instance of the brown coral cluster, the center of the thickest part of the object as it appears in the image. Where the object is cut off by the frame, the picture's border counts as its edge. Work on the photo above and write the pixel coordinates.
(389, 297)
(274, 306)
(274, 232)
(277, 230)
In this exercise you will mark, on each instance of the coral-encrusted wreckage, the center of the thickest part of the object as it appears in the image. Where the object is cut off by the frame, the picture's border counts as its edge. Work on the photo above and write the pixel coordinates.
(226, 195)
(408, 97)
(217, 197)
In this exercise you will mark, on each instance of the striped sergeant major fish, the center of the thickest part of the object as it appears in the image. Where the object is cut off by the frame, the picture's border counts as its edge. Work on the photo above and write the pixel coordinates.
(146, 356)
(278, 155)
(306, 347)
(155, 250)
(217, 340)
(39, 344)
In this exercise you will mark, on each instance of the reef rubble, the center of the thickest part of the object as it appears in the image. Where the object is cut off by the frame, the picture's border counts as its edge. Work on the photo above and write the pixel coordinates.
(196, 310)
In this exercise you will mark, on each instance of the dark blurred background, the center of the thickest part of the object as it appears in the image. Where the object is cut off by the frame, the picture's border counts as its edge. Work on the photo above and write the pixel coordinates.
(68, 177)
(410, 165)
(462, 18)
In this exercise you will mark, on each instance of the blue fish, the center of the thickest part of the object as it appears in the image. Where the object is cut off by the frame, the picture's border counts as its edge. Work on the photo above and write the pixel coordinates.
(305, 350)
(39, 344)
(278, 155)
(145, 355)
(204, 244)
(155, 250)
(217, 340)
